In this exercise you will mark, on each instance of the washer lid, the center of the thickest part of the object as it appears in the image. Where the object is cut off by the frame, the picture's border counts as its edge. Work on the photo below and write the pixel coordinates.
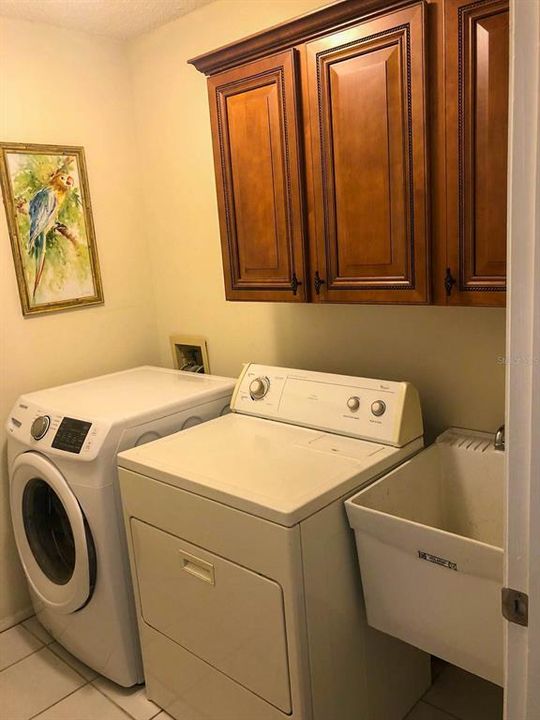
(277, 471)
(135, 393)
(54, 543)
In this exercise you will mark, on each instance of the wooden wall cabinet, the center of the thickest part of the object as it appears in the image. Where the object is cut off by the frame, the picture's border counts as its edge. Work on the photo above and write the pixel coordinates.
(368, 152)
(254, 117)
(477, 67)
(323, 131)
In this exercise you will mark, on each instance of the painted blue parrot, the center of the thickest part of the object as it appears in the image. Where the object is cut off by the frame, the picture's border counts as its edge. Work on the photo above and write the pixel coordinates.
(43, 209)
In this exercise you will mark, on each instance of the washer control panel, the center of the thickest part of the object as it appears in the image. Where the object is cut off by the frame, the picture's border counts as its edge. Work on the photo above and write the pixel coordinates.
(71, 435)
(379, 410)
(56, 434)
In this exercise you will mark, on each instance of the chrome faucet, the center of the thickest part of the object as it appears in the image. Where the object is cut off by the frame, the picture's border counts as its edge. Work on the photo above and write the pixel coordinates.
(498, 442)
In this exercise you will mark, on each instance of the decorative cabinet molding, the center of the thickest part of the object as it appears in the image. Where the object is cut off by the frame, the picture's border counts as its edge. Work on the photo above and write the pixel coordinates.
(320, 133)
(477, 69)
(259, 179)
(289, 34)
(368, 125)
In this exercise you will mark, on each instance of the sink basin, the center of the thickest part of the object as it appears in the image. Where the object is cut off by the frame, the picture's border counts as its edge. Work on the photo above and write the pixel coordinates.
(430, 541)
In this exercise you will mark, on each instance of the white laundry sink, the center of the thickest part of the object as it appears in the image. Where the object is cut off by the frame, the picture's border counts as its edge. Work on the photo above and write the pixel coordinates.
(429, 536)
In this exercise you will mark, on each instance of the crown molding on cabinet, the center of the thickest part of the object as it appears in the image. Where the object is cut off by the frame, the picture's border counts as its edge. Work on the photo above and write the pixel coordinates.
(298, 30)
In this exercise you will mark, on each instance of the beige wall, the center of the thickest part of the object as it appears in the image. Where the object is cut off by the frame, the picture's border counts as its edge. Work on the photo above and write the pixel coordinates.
(62, 87)
(157, 231)
(453, 355)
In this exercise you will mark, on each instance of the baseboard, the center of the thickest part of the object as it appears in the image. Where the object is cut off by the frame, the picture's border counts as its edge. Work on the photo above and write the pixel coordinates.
(16, 618)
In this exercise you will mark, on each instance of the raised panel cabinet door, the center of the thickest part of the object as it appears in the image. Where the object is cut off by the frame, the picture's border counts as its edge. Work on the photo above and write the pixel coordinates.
(368, 128)
(477, 70)
(254, 119)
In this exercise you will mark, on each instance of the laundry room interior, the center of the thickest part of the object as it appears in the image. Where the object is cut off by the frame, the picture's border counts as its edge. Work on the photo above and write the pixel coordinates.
(330, 514)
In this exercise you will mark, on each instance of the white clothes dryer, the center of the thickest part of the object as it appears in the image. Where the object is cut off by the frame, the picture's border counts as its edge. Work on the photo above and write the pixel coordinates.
(248, 594)
(65, 502)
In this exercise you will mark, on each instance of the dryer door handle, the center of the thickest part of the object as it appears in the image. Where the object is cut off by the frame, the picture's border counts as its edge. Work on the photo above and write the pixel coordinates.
(197, 567)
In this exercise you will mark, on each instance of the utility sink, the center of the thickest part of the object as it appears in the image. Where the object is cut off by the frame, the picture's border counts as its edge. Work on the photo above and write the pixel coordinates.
(429, 536)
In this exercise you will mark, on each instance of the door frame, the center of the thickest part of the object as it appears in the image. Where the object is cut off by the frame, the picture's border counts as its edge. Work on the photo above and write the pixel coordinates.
(522, 570)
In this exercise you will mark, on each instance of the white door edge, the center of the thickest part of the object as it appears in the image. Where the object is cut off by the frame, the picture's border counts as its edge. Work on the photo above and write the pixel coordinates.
(522, 571)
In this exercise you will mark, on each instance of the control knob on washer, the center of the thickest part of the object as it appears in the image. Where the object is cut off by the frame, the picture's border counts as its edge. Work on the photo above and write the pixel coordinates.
(378, 408)
(40, 426)
(259, 387)
(353, 403)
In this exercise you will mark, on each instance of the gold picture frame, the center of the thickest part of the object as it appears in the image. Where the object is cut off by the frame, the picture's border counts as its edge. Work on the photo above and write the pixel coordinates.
(49, 216)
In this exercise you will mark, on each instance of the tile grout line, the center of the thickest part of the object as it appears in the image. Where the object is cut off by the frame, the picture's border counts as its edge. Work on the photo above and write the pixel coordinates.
(87, 682)
(427, 702)
(70, 666)
(58, 657)
(15, 662)
(35, 635)
(49, 645)
(444, 710)
(46, 646)
(119, 706)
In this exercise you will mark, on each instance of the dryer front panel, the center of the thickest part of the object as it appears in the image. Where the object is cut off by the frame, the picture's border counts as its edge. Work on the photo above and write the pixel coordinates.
(223, 613)
(53, 539)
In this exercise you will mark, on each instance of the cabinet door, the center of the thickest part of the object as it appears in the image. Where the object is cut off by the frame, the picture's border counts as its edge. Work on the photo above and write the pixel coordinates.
(259, 181)
(477, 64)
(368, 129)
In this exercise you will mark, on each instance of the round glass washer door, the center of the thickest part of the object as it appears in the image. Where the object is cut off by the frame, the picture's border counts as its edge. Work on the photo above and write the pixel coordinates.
(52, 536)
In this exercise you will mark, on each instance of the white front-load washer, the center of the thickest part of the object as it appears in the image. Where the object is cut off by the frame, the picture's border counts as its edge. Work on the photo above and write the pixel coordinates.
(248, 593)
(65, 503)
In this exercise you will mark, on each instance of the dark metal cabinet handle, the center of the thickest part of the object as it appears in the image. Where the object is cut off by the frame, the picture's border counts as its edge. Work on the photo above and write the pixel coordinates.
(319, 282)
(449, 282)
(295, 282)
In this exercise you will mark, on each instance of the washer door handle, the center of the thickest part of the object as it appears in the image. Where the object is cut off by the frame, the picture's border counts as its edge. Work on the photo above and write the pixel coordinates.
(198, 568)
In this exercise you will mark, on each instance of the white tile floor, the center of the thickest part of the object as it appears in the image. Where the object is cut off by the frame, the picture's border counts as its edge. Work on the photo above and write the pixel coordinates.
(42, 681)
(39, 679)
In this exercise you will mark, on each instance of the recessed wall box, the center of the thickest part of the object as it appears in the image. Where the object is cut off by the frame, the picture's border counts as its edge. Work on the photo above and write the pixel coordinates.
(190, 352)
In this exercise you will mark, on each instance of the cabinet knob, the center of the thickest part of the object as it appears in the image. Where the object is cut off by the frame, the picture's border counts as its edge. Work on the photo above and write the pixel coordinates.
(318, 282)
(449, 282)
(295, 282)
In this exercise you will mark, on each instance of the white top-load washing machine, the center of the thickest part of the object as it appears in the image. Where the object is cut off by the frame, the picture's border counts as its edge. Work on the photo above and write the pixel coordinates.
(248, 593)
(65, 503)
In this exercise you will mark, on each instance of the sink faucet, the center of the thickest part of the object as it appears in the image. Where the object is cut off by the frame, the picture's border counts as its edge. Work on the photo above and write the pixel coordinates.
(498, 442)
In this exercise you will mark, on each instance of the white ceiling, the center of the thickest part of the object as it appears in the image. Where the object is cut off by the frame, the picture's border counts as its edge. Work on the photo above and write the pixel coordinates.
(116, 18)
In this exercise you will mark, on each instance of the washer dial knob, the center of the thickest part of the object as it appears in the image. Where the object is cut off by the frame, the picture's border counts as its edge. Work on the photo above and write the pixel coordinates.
(353, 403)
(40, 426)
(259, 387)
(378, 408)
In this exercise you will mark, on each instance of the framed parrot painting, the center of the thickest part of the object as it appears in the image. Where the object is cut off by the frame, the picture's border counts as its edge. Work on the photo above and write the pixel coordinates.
(49, 216)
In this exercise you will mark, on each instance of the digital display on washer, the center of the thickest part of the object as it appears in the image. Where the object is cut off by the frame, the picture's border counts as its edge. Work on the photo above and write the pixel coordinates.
(71, 435)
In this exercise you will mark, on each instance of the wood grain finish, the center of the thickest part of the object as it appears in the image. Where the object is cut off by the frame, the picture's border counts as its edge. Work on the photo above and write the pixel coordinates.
(259, 179)
(321, 154)
(293, 32)
(437, 140)
(477, 130)
(368, 129)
